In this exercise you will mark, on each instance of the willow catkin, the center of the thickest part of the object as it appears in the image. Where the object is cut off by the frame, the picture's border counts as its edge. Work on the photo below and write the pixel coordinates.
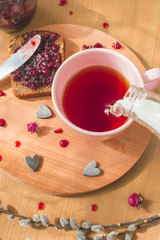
(80, 236)
(37, 220)
(64, 222)
(44, 220)
(10, 217)
(86, 225)
(129, 236)
(112, 235)
(97, 228)
(74, 224)
(99, 237)
(25, 222)
(132, 227)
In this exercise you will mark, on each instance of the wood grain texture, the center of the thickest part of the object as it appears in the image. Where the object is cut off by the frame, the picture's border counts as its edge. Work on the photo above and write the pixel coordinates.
(136, 24)
(59, 165)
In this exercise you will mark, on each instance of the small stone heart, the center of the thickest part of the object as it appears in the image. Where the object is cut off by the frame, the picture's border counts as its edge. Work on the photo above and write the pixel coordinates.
(33, 162)
(91, 170)
(44, 112)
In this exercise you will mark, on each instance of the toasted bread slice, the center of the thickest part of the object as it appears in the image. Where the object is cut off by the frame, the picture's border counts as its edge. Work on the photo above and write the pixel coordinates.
(19, 87)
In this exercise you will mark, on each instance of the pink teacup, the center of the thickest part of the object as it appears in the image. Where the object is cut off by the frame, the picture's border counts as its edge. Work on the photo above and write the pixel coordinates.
(103, 57)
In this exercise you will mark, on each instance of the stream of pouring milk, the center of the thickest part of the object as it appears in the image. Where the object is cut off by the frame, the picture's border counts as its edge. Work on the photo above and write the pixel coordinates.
(146, 110)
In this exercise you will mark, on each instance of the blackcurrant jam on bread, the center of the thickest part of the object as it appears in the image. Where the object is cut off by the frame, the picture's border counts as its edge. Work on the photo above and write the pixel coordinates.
(34, 78)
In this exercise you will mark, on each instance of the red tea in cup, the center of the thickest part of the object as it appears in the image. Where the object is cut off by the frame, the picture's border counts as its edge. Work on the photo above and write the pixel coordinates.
(77, 108)
(87, 95)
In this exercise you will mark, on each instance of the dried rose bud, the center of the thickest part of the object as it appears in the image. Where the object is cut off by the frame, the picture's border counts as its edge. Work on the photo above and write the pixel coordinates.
(32, 127)
(134, 200)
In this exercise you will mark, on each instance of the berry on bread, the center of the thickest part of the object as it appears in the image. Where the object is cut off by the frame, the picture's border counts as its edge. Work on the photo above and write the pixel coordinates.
(34, 78)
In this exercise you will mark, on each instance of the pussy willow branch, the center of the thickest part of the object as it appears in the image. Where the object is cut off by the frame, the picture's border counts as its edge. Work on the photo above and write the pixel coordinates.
(141, 225)
(143, 222)
(23, 217)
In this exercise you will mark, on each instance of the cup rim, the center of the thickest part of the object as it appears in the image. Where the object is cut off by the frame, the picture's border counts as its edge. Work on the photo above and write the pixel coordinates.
(69, 123)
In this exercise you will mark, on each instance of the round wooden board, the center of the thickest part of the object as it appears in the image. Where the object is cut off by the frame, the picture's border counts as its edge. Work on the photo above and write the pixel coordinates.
(61, 169)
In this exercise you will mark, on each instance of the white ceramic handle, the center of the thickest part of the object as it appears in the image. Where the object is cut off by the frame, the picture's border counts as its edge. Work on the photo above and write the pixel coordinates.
(151, 78)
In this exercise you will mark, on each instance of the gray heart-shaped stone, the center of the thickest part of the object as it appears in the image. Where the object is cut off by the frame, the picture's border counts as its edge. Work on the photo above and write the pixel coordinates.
(91, 170)
(33, 162)
(44, 112)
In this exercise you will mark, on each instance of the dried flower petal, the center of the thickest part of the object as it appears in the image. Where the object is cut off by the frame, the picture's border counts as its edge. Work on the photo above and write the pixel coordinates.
(97, 228)
(64, 222)
(96, 45)
(132, 227)
(44, 220)
(74, 224)
(24, 222)
(129, 236)
(99, 237)
(112, 235)
(80, 236)
(2, 93)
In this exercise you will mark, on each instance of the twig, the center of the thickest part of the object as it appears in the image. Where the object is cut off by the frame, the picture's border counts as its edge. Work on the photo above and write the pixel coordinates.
(42, 220)
(132, 222)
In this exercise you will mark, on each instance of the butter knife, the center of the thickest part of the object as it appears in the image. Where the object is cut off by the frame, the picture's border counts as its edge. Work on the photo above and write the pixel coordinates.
(20, 57)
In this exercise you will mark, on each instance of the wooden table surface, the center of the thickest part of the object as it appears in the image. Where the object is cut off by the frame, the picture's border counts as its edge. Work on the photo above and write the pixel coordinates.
(137, 25)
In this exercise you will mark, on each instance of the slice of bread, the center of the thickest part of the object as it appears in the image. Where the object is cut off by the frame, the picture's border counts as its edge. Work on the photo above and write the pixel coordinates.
(19, 87)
